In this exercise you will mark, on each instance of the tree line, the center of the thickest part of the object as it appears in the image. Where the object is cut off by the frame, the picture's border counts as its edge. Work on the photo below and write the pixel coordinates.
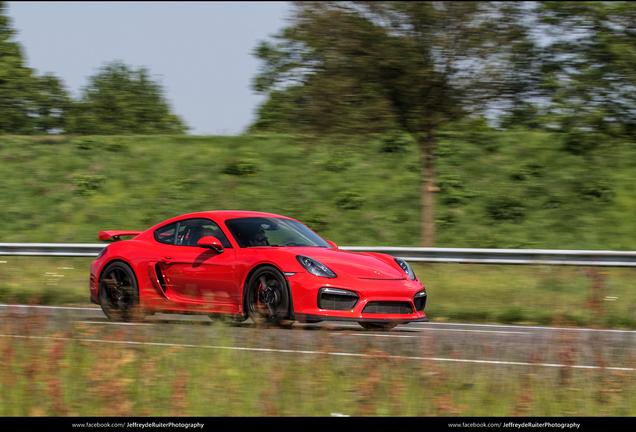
(117, 100)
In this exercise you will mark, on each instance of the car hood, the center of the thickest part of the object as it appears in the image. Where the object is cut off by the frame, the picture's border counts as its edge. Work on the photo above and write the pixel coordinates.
(356, 264)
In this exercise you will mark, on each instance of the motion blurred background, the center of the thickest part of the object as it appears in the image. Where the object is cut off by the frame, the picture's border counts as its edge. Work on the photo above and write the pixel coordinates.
(440, 124)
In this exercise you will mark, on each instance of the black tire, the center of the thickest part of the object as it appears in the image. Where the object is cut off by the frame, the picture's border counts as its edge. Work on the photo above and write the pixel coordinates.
(119, 293)
(377, 326)
(267, 297)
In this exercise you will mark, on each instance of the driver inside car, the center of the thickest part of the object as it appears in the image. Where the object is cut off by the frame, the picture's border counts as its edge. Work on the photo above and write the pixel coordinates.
(259, 239)
(255, 236)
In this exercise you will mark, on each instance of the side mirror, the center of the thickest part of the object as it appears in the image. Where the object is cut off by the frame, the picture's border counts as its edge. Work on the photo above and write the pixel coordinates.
(211, 242)
(332, 244)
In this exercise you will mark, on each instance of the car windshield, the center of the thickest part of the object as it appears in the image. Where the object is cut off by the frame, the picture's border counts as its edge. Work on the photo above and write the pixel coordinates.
(264, 231)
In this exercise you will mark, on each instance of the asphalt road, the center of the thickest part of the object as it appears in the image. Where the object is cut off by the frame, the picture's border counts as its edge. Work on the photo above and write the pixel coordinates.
(484, 344)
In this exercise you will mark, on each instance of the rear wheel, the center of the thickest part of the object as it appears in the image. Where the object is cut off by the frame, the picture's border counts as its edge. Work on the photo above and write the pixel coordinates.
(377, 326)
(119, 293)
(267, 298)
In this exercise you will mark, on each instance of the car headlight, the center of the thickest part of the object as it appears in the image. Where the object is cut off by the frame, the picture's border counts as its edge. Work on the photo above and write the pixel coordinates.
(406, 267)
(314, 267)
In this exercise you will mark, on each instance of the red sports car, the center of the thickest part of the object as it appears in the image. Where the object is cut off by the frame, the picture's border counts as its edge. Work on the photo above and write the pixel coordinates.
(239, 265)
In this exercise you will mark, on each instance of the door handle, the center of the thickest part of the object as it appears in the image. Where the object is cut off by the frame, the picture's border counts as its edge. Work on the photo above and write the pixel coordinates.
(167, 260)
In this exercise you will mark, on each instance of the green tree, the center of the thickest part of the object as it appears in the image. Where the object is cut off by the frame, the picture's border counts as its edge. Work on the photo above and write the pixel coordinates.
(16, 82)
(119, 99)
(51, 105)
(591, 65)
(363, 67)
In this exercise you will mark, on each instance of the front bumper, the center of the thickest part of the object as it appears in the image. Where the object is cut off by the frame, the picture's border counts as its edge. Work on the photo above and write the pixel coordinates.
(363, 300)
(317, 318)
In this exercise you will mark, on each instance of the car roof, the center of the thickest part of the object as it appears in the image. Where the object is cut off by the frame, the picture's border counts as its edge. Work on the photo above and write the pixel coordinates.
(218, 216)
(221, 215)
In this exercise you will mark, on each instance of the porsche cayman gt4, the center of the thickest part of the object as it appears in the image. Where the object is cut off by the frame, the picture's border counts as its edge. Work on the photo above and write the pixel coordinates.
(239, 265)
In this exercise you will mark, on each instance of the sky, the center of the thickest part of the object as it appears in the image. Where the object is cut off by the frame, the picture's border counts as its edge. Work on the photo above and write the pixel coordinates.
(200, 52)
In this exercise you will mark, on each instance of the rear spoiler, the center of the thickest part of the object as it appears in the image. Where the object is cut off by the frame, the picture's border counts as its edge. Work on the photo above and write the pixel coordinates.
(116, 235)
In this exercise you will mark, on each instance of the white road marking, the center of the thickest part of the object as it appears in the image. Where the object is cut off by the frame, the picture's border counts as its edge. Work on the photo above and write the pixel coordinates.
(439, 329)
(376, 335)
(412, 326)
(116, 323)
(439, 359)
(9, 306)
(421, 326)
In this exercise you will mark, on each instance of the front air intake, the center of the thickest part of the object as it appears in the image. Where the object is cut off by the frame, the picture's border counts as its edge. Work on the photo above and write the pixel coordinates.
(388, 307)
(336, 299)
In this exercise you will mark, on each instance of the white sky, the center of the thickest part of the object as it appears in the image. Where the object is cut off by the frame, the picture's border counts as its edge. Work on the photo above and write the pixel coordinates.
(200, 52)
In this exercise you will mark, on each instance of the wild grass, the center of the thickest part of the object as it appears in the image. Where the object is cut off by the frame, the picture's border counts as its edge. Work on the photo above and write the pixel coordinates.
(83, 370)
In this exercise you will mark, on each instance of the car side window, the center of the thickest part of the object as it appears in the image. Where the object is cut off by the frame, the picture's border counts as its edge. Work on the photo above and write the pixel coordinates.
(190, 231)
(166, 234)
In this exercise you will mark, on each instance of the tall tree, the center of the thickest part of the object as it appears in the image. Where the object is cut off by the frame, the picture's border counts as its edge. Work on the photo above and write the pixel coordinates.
(16, 82)
(375, 66)
(119, 99)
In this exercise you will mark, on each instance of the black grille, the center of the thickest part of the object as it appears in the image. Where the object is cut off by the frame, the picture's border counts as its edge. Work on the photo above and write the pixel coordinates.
(340, 300)
(388, 307)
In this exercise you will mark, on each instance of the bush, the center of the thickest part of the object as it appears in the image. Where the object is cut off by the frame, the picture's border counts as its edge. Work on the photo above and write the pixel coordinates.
(87, 184)
(444, 149)
(87, 143)
(505, 208)
(349, 200)
(241, 167)
(117, 145)
(452, 190)
(337, 162)
(394, 142)
(595, 189)
(580, 143)
(527, 171)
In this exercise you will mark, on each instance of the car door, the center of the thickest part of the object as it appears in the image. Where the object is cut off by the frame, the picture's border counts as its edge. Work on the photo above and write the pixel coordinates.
(196, 274)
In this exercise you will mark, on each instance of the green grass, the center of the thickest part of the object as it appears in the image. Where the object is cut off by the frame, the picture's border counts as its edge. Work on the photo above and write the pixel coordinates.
(497, 189)
(54, 191)
(525, 191)
(537, 295)
(71, 373)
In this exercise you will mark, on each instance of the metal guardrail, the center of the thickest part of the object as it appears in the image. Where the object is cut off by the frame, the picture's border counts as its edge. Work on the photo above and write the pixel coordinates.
(419, 254)
(51, 249)
(508, 256)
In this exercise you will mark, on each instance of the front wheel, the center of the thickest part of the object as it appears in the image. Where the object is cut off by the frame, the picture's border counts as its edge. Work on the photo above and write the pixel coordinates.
(119, 293)
(267, 298)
